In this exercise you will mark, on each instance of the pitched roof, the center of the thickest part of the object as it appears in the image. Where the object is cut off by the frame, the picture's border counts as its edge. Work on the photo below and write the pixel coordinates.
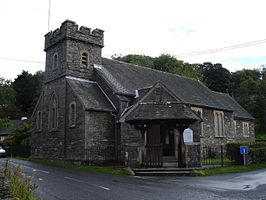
(90, 95)
(158, 103)
(126, 78)
(157, 111)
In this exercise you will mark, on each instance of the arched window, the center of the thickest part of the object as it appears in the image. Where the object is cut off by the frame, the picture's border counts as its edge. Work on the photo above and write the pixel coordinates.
(84, 59)
(39, 121)
(72, 114)
(53, 113)
(218, 123)
(55, 61)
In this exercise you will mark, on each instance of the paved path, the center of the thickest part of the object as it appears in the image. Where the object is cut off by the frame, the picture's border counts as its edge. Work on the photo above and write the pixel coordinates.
(68, 184)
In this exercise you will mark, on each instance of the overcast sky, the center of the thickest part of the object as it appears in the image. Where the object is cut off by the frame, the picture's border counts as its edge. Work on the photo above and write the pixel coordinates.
(147, 27)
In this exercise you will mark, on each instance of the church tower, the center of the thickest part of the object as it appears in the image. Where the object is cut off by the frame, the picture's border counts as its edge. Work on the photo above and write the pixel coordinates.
(72, 51)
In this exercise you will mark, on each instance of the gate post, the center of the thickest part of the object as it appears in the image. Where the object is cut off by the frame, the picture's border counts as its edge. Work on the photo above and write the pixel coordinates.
(222, 155)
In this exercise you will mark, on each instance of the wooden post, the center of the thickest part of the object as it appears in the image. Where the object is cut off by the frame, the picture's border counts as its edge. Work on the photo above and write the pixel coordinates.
(222, 156)
(181, 148)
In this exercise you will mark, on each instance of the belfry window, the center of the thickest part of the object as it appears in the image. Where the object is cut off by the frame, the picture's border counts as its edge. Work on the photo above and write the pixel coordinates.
(55, 61)
(84, 59)
(218, 123)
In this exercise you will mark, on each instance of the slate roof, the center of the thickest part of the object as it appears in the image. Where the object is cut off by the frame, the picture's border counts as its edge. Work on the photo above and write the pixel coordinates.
(90, 95)
(126, 78)
(150, 111)
(151, 106)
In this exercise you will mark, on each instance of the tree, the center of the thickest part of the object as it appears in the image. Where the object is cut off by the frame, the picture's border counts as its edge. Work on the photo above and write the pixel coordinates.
(27, 87)
(249, 89)
(7, 99)
(141, 60)
(216, 77)
(164, 62)
(21, 136)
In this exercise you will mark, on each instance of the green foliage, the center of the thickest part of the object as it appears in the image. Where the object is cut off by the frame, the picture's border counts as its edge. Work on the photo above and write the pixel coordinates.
(22, 187)
(260, 136)
(257, 151)
(5, 123)
(233, 151)
(7, 98)
(28, 88)
(249, 89)
(21, 137)
(258, 155)
(164, 62)
(168, 63)
(141, 60)
(216, 77)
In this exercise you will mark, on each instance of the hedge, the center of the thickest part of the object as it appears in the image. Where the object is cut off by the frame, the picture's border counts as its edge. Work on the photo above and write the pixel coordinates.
(257, 152)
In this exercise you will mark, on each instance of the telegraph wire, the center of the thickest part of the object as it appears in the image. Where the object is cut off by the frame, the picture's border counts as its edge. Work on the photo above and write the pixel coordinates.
(19, 60)
(227, 48)
(196, 53)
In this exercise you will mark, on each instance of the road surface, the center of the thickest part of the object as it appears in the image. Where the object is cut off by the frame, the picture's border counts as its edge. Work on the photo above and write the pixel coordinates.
(55, 183)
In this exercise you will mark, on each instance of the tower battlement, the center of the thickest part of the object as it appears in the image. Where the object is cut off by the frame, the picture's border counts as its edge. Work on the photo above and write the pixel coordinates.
(70, 30)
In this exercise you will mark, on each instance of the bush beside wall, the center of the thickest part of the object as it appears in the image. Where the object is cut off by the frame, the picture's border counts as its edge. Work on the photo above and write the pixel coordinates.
(257, 152)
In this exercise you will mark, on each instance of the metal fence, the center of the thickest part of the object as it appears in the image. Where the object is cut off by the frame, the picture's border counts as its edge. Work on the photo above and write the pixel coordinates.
(212, 156)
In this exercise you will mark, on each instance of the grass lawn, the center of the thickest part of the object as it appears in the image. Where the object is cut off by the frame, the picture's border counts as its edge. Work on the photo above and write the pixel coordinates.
(217, 161)
(105, 170)
(231, 169)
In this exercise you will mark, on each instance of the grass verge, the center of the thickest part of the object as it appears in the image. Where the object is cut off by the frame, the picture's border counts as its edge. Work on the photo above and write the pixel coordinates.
(22, 187)
(105, 170)
(231, 169)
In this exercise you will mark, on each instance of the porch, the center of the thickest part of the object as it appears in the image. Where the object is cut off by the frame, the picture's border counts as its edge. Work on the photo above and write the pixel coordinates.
(161, 118)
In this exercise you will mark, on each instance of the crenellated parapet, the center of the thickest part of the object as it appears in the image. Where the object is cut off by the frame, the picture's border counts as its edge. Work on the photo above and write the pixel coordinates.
(70, 30)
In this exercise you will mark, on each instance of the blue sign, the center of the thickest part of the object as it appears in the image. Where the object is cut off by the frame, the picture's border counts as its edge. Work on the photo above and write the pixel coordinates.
(244, 149)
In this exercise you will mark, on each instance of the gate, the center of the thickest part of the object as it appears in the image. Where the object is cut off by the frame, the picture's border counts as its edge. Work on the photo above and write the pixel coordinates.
(212, 156)
(154, 156)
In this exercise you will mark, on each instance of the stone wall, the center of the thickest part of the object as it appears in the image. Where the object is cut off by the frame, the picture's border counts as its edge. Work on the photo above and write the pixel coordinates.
(131, 143)
(75, 134)
(230, 133)
(46, 143)
(239, 131)
(193, 155)
(99, 137)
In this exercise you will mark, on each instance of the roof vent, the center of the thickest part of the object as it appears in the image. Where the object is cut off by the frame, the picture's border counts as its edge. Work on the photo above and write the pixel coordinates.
(136, 94)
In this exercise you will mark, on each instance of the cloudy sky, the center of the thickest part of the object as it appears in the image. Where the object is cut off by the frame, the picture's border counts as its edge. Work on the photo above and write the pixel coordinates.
(148, 27)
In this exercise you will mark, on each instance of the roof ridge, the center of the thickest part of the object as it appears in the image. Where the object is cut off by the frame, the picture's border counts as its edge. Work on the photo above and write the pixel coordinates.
(148, 68)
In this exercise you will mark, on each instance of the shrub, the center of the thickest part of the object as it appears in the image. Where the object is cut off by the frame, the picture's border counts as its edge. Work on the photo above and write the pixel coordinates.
(256, 154)
(233, 151)
(21, 137)
(21, 187)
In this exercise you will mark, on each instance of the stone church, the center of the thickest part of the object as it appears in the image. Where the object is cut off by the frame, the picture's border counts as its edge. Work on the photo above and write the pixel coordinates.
(97, 110)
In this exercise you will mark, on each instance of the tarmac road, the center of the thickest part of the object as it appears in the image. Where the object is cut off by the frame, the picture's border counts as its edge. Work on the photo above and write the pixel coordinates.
(55, 183)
